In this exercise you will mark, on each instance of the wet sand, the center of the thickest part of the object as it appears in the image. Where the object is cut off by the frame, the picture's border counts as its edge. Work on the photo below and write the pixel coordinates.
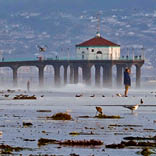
(14, 113)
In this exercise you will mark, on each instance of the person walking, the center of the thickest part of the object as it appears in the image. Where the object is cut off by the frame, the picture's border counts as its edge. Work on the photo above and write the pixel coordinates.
(28, 85)
(127, 80)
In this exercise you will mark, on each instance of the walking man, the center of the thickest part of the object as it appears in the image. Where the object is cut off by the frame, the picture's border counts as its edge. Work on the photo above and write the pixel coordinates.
(127, 80)
(28, 85)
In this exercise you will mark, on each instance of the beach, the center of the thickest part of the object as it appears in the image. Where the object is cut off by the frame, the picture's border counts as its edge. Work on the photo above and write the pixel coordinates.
(24, 122)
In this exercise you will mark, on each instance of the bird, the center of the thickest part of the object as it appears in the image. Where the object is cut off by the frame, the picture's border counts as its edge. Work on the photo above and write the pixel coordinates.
(42, 49)
(132, 108)
(118, 94)
(68, 111)
(98, 110)
(141, 101)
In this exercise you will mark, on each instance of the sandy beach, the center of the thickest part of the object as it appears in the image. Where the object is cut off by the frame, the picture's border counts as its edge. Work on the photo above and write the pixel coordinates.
(83, 126)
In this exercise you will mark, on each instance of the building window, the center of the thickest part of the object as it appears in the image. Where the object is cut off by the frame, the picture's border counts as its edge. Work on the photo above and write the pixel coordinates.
(99, 52)
(92, 50)
(83, 54)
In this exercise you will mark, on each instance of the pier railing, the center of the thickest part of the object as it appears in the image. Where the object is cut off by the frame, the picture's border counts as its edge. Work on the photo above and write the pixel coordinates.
(67, 58)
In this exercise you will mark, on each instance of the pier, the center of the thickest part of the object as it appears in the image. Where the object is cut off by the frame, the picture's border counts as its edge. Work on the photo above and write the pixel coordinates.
(74, 65)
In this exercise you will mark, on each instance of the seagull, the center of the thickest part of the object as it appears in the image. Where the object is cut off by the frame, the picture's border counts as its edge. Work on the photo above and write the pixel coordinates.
(98, 110)
(132, 108)
(141, 101)
(42, 49)
(68, 111)
(118, 94)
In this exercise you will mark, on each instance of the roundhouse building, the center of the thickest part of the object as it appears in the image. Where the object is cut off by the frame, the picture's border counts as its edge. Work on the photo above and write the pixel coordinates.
(98, 48)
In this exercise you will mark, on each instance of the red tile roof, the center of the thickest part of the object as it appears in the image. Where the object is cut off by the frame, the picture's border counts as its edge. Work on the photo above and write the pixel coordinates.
(96, 41)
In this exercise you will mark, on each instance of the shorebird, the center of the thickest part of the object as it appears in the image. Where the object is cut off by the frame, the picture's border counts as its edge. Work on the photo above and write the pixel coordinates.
(68, 111)
(98, 110)
(132, 108)
(42, 49)
(118, 94)
(141, 101)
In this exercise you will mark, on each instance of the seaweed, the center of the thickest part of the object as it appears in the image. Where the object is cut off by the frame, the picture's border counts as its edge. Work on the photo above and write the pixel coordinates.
(42, 111)
(44, 155)
(74, 133)
(73, 154)
(118, 146)
(10, 91)
(85, 116)
(78, 95)
(43, 141)
(146, 152)
(80, 133)
(6, 95)
(81, 142)
(124, 144)
(60, 116)
(115, 125)
(24, 97)
(28, 139)
(27, 124)
(103, 116)
(140, 138)
(6, 149)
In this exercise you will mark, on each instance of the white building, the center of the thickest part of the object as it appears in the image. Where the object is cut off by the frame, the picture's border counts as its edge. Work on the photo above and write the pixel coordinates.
(98, 48)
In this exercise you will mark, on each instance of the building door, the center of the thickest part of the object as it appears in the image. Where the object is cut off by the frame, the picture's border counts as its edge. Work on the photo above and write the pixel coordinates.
(99, 55)
(83, 53)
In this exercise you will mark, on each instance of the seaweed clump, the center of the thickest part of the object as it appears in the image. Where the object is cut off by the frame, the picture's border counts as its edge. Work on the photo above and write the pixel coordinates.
(43, 141)
(122, 144)
(130, 143)
(104, 116)
(146, 152)
(27, 124)
(6, 149)
(60, 116)
(73, 154)
(91, 142)
(24, 97)
(43, 111)
(80, 133)
(140, 138)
